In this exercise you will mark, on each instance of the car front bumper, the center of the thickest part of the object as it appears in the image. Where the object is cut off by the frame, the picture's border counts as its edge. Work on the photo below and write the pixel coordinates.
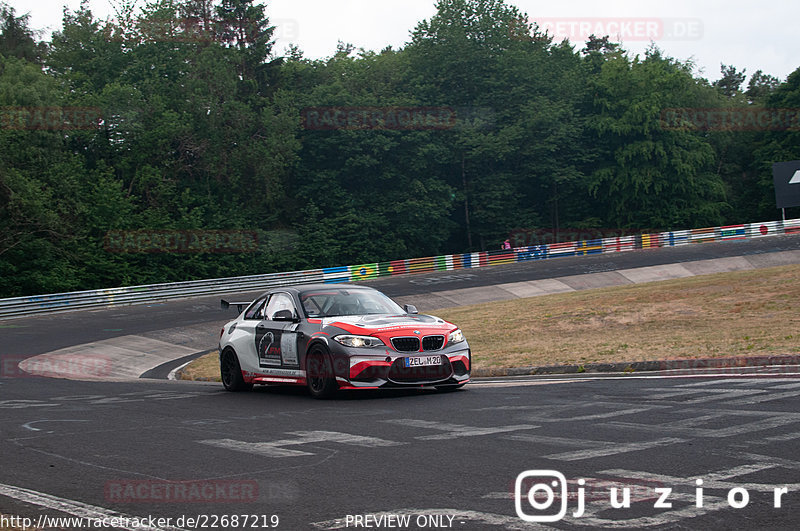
(391, 369)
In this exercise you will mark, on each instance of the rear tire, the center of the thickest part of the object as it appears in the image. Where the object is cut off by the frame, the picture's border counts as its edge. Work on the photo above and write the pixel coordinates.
(231, 372)
(319, 373)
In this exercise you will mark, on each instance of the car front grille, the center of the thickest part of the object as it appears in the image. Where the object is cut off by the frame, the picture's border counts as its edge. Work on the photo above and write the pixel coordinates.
(405, 344)
(432, 342)
(411, 344)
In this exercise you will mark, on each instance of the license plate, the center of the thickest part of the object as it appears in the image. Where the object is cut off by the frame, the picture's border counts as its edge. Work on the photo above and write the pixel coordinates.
(423, 361)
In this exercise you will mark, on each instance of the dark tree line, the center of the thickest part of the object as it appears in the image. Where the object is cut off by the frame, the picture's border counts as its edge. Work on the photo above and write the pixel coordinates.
(201, 126)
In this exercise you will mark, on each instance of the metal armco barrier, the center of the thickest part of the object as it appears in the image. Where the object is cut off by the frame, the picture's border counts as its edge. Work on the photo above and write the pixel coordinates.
(21, 306)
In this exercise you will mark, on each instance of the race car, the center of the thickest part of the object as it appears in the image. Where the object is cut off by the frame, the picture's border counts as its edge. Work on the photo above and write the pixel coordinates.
(330, 337)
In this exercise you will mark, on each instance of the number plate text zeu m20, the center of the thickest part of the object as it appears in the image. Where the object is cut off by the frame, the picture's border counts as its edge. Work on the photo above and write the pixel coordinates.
(422, 361)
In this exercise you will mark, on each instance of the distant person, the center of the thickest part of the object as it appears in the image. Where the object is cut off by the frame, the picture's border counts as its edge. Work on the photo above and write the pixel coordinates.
(506, 245)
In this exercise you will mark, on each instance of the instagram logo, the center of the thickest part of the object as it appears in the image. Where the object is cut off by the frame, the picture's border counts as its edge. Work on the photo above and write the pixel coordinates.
(538, 488)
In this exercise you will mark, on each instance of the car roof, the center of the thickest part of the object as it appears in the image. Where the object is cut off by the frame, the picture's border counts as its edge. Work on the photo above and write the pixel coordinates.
(311, 287)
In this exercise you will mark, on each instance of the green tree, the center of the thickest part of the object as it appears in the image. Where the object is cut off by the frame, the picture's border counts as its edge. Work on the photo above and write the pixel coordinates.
(364, 194)
(731, 81)
(16, 37)
(651, 177)
(484, 59)
(52, 207)
(778, 145)
(760, 87)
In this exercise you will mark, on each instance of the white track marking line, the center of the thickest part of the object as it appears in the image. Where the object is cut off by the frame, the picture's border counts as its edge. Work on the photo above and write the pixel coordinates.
(277, 448)
(717, 378)
(174, 372)
(29, 425)
(764, 398)
(613, 449)
(669, 517)
(779, 438)
(684, 427)
(589, 449)
(596, 416)
(75, 508)
(455, 431)
(508, 383)
(717, 480)
(706, 395)
(786, 386)
(714, 382)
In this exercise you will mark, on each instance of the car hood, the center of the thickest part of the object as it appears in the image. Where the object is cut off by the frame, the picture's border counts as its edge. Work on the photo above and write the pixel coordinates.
(386, 322)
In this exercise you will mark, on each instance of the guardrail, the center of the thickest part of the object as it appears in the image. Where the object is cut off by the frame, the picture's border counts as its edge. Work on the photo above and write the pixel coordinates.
(21, 306)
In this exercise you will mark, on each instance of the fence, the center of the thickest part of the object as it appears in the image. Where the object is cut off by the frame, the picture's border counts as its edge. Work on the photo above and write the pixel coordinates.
(21, 306)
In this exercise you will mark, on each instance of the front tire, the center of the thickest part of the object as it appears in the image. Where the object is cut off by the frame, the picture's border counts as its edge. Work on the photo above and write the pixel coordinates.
(231, 372)
(319, 373)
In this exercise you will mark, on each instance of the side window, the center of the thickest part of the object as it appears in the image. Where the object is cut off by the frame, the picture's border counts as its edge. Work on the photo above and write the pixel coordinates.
(312, 306)
(279, 301)
(256, 310)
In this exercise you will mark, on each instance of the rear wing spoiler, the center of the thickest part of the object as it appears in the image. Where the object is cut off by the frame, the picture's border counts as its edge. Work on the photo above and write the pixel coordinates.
(239, 305)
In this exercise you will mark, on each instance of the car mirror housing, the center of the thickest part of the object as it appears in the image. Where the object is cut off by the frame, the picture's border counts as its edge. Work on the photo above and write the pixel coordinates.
(284, 315)
(410, 308)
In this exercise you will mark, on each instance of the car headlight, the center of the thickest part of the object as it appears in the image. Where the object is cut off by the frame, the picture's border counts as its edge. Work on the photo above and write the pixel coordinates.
(456, 336)
(359, 341)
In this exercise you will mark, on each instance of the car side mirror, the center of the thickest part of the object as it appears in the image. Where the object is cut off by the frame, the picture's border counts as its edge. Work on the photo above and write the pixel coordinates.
(284, 315)
(410, 308)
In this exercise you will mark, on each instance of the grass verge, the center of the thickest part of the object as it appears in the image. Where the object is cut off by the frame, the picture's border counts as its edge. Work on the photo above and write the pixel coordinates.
(205, 368)
(744, 313)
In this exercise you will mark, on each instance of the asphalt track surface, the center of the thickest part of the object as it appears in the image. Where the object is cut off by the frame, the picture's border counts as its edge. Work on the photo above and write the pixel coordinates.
(430, 456)
(444, 460)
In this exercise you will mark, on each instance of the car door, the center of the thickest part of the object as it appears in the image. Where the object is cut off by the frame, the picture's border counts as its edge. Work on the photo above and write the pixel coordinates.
(276, 341)
(246, 330)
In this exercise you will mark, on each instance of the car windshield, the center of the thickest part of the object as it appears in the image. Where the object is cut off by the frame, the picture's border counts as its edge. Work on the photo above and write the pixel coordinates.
(331, 302)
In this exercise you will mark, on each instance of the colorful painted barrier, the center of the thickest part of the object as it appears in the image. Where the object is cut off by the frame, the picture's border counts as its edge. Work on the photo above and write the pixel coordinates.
(619, 244)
